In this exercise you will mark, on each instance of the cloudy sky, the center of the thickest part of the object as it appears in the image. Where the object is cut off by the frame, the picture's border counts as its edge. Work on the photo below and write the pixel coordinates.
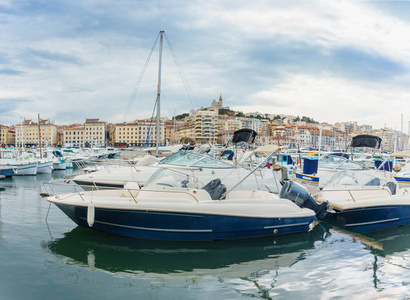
(329, 60)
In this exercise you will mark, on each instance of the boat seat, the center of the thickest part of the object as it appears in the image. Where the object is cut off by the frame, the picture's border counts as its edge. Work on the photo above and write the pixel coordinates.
(215, 189)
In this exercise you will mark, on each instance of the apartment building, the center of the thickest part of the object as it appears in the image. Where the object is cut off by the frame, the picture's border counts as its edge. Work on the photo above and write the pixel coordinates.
(94, 133)
(205, 125)
(138, 133)
(27, 133)
(73, 136)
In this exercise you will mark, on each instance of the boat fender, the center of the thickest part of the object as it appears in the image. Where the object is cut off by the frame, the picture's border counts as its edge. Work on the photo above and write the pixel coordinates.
(90, 214)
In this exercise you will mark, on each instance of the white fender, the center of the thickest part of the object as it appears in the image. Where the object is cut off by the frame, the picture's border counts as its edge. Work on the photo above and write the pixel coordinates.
(90, 214)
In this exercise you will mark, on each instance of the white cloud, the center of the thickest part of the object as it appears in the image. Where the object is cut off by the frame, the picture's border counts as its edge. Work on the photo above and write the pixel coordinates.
(332, 100)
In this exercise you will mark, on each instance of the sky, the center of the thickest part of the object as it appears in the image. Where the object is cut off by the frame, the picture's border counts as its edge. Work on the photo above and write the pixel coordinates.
(333, 61)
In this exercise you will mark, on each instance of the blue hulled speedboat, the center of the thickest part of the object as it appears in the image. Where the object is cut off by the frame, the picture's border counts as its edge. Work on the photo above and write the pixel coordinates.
(362, 202)
(176, 206)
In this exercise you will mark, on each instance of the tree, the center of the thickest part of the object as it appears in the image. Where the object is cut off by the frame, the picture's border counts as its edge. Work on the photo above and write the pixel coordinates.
(182, 116)
(225, 111)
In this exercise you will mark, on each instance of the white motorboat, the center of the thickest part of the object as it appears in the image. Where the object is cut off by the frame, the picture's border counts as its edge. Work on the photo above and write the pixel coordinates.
(198, 165)
(178, 206)
(360, 202)
(22, 164)
(44, 166)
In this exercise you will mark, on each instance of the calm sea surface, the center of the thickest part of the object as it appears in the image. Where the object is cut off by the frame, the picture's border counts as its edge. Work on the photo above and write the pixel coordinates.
(55, 259)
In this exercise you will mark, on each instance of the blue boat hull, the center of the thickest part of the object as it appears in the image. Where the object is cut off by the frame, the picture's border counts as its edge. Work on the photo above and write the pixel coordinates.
(8, 172)
(157, 225)
(372, 218)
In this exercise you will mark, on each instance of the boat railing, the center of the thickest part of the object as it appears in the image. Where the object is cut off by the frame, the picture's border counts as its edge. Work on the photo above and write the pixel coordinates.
(106, 164)
(81, 189)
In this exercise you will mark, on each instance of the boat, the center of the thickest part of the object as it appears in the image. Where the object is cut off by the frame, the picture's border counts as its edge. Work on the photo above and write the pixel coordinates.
(402, 169)
(177, 206)
(317, 170)
(44, 166)
(359, 202)
(7, 171)
(21, 163)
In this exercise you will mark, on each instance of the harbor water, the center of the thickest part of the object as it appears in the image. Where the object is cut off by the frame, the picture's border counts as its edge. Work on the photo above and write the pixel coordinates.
(44, 255)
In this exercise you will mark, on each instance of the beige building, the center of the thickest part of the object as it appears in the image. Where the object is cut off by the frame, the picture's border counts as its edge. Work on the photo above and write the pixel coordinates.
(27, 133)
(73, 136)
(137, 133)
(4, 131)
(94, 133)
(185, 133)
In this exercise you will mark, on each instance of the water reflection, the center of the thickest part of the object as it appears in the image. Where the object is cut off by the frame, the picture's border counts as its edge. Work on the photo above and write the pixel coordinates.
(392, 240)
(232, 259)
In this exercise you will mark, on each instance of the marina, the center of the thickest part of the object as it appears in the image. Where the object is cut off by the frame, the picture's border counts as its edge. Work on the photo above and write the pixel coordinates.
(45, 254)
(201, 196)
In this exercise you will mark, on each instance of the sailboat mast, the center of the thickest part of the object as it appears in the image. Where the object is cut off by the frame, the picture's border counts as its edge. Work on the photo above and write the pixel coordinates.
(159, 94)
(39, 137)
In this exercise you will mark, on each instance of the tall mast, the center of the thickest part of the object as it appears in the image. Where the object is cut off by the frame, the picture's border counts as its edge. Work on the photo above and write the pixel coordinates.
(39, 137)
(159, 94)
(21, 135)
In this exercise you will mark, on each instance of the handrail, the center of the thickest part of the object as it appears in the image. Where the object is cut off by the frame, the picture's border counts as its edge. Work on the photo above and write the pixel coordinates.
(75, 186)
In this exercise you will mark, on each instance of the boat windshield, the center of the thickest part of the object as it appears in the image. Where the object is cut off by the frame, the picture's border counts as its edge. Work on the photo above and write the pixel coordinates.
(167, 178)
(189, 159)
(340, 163)
(355, 179)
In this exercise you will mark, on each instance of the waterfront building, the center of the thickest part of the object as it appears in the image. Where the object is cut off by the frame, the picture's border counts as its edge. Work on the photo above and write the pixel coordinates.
(137, 134)
(185, 133)
(205, 125)
(6, 136)
(126, 134)
(94, 133)
(27, 133)
(73, 136)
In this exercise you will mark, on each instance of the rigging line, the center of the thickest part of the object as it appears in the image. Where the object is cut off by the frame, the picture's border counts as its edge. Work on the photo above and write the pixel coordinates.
(150, 124)
(164, 100)
(127, 110)
(181, 73)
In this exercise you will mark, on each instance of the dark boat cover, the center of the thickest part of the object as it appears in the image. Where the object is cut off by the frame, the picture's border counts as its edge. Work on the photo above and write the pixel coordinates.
(366, 140)
(244, 135)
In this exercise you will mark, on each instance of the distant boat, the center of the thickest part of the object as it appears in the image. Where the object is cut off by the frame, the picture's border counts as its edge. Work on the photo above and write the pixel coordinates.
(21, 165)
(6, 171)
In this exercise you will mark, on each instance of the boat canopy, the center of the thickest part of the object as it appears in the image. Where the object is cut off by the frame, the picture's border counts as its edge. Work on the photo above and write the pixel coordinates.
(244, 135)
(366, 140)
(349, 178)
(339, 162)
(190, 159)
(401, 154)
(266, 149)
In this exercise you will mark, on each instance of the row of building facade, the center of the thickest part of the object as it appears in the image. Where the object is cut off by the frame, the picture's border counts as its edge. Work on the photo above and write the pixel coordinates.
(204, 125)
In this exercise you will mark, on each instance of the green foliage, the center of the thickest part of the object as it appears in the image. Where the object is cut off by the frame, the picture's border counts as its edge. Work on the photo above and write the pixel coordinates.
(308, 120)
(182, 116)
(225, 111)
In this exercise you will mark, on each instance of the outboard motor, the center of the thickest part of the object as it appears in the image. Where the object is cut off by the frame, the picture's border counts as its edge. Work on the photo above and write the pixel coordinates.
(300, 195)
